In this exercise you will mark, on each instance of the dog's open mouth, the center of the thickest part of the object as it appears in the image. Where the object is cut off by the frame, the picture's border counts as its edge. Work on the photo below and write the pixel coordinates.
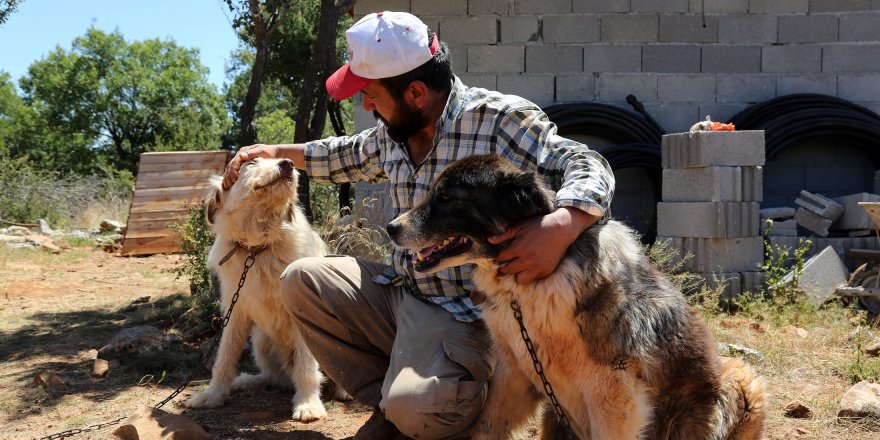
(434, 254)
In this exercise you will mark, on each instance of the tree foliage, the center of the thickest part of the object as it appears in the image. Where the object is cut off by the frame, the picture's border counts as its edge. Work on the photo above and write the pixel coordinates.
(106, 101)
(7, 7)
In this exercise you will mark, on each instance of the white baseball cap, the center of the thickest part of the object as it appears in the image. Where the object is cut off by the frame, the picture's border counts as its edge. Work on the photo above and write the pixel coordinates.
(381, 45)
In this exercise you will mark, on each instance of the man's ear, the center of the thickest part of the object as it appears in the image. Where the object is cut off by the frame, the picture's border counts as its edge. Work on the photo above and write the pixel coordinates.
(417, 94)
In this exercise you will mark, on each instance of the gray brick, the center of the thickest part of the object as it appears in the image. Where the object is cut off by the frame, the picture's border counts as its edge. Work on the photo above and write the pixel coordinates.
(720, 6)
(660, 6)
(719, 254)
(496, 59)
(553, 59)
(433, 23)
(591, 6)
(519, 28)
(841, 5)
(854, 216)
(707, 219)
(675, 88)
(433, 7)
(613, 87)
(823, 84)
(571, 28)
(779, 6)
(807, 28)
(362, 119)
(458, 55)
(480, 7)
(536, 88)
(541, 7)
(851, 58)
(731, 59)
(813, 222)
(470, 30)
(859, 87)
(713, 148)
(688, 29)
(860, 27)
(612, 58)
(747, 29)
(745, 88)
(481, 80)
(791, 58)
(672, 116)
(575, 88)
(819, 204)
(671, 58)
(780, 228)
(629, 28)
(713, 184)
(782, 212)
(728, 285)
(364, 7)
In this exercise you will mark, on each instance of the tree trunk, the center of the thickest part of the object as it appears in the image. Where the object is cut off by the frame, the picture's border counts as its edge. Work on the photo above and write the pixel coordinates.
(248, 108)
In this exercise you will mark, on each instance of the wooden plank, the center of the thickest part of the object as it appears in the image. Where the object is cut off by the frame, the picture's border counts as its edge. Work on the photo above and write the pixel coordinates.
(156, 225)
(191, 198)
(180, 156)
(180, 174)
(150, 250)
(215, 164)
(172, 183)
(163, 205)
(153, 233)
(158, 216)
(164, 240)
(856, 291)
(186, 191)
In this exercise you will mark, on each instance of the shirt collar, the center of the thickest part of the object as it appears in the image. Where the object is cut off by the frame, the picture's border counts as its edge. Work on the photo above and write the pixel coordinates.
(453, 104)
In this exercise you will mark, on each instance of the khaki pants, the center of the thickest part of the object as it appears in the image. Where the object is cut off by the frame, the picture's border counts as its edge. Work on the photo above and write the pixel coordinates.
(428, 372)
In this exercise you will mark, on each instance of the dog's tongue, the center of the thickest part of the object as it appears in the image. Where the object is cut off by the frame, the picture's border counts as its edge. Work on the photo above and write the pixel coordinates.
(424, 253)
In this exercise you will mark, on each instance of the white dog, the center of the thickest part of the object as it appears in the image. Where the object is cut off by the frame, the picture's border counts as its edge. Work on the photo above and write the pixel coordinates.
(260, 214)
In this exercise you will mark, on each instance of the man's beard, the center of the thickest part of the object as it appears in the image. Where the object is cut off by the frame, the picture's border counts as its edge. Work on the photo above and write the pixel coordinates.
(408, 121)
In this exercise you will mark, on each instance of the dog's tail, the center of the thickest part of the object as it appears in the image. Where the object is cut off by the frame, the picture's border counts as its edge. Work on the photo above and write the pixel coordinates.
(741, 407)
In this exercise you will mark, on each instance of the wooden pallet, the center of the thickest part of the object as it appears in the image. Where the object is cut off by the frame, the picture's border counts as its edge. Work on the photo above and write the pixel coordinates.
(167, 185)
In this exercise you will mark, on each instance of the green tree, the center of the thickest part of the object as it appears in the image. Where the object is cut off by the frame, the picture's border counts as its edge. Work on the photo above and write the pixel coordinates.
(7, 7)
(106, 101)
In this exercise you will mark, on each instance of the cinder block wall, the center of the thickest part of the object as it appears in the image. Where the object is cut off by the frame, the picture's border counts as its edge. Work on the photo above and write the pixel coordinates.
(683, 59)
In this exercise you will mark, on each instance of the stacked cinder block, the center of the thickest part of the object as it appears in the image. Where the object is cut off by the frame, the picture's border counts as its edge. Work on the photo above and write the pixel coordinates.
(817, 212)
(712, 186)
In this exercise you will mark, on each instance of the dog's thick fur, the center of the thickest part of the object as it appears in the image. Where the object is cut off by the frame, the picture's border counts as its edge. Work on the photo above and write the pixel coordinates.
(259, 212)
(626, 356)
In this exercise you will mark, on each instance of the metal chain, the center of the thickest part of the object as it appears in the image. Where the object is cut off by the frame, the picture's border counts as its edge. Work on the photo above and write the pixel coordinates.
(248, 263)
(539, 368)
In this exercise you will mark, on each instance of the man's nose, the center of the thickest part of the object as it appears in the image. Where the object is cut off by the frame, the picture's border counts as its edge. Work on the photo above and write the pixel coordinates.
(368, 104)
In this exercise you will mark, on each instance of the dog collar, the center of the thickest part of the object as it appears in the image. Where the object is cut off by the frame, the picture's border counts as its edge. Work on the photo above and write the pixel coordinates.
(236, 246)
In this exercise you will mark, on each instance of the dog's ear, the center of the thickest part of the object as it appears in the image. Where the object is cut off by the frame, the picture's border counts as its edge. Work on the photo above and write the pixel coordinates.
(525, 194)
(212, 202)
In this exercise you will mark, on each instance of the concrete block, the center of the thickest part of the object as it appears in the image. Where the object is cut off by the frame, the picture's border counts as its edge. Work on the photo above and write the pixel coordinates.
(813, 222)
(851, 58)
(688, 29)
(571, 28)
(458, 57)
(784, 228)
(660, 6)
(752, 281)
(713, 148)
(822, 84)
(525, 7)
(731, 59)
(718, 254)
(575, 88)
(730, 284)
(854, 216)
(747, 29)
(673, 116)
(640, 28)
(671, 58)
(613, 87)
(783, 212)
(481, 80)
(594, 6)
(496, 59)
(554, 59)
(779, 6)
(745, 88)
(445, 8)
(719, 6)
(519, 29)
(364, 7)
(841, 5)
(859, 87)
(686, 88)
(860, 27)
(793, 58)
(612, 58)
(715, 184)
(480, 7)
(821, 276)
(807, 28)
(481, 29)
(536, 88)
(707, 219)
(819, 204)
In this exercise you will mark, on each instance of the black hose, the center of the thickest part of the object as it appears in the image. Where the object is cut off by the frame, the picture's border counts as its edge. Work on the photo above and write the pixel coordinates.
(618, 125)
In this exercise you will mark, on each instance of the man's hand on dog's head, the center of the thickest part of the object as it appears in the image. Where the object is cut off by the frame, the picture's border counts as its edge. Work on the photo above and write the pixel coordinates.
(245, 154)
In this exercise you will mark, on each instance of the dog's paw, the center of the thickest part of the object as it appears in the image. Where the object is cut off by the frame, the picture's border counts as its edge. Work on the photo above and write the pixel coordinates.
(205, 399)
(309, 412)
(247, 382)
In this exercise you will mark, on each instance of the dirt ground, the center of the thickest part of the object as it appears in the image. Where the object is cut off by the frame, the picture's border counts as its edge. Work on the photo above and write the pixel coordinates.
(54, 309)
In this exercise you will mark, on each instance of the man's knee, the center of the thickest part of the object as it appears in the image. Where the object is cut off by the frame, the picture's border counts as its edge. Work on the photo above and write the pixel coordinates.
(436, 408)
(299, 285)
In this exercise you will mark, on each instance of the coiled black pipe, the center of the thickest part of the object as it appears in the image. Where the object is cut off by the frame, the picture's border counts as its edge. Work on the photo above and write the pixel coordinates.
(618, 125)
(792, 119)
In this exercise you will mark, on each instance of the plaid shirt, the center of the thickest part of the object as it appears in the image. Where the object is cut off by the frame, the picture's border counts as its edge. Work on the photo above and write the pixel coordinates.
(475, 121)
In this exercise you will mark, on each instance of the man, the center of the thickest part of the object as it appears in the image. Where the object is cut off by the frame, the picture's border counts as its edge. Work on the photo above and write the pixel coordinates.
(408, 344)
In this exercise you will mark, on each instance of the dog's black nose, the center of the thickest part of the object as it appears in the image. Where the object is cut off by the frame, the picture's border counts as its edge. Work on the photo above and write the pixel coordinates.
(392, 229)
(286, 164)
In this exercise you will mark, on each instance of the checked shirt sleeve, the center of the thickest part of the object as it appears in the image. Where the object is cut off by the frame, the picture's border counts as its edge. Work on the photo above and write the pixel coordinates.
(344, 159)
(580, 176)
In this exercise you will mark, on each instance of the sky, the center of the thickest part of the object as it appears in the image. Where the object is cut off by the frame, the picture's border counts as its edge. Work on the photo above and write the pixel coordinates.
(38, 26)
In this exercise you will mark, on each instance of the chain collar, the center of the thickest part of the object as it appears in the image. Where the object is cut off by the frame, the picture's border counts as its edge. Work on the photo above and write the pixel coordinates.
(236, 246)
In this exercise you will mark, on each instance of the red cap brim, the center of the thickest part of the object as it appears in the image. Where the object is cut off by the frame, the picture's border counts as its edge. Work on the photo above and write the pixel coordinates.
(345, 84)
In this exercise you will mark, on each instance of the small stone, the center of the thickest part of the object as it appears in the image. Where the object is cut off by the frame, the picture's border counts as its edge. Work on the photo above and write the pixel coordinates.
(873, 348)
(100, 368)
(756, 327)
(48, 379)
(861, 400)
(791, 330)
(749, 354)
(153, 423)
(797, 410)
